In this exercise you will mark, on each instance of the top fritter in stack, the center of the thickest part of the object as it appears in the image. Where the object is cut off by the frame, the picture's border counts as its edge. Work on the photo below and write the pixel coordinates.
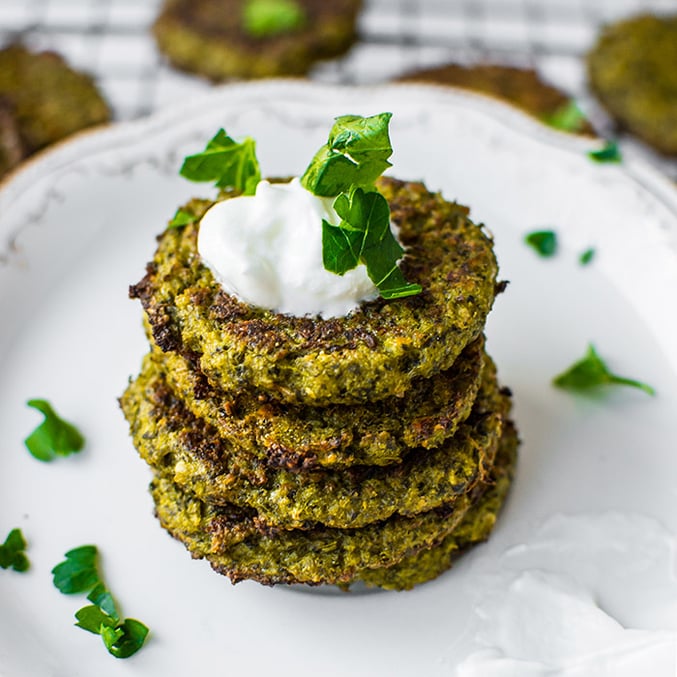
(372, 447)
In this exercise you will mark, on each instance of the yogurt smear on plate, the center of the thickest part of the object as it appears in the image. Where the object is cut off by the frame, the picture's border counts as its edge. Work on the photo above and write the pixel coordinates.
(266, 249)
(591, 595)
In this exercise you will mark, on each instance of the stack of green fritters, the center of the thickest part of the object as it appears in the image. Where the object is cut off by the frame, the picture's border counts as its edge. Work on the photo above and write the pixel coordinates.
(373, 447)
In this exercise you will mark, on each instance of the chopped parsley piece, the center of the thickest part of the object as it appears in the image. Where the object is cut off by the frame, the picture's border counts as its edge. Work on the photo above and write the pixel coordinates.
(267, 18)
(364, 236)
(79, 573)
(610, 153)
(226, 162)
(567, 118)
(543, 241)
(54, 436)
(12, 555)
(181, 218)
(355, 155)
(346, 167)
(587, 256)
(591, 372)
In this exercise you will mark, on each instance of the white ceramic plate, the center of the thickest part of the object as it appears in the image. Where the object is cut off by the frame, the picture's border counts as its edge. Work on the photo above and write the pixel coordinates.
(78, 225)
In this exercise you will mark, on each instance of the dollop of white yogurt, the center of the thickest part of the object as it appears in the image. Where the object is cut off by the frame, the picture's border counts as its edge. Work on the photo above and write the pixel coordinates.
(266, 249)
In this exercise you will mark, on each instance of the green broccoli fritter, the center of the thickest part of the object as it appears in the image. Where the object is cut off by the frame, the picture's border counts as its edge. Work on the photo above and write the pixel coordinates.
(209, 37)
(375, 352)
(633, 71)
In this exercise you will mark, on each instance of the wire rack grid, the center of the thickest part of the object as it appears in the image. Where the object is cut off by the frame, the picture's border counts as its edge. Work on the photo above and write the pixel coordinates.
(111, 39)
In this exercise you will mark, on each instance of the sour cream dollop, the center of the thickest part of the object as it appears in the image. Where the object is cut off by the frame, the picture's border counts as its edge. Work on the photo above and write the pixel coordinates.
(266, 249)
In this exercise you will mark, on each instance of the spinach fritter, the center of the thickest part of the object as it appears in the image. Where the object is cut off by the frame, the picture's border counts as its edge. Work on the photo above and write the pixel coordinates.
(296, 437)
(12, 149)
(207, 37)
(50, 100)
(522, 87)
(374, 352)
(633, 71)
(477, 524)
(236, 545)
(191, 453)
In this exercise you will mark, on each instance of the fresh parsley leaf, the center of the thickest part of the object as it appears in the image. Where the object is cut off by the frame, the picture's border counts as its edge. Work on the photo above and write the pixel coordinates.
(54, 436)
(92, 619)
(267, 18)
(228, 163)
(609, 153)
(567, 118)
(78, 572)
(587, 256)
(347, 167)
(592, 372)
(12, 555)
(543, 241)
(364, 236)
(356, 154)
(125, 639)
(103, 600)
(181, 218)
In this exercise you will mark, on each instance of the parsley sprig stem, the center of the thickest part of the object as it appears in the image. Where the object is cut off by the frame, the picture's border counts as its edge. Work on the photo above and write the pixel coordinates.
(591, 372)
(347, 167)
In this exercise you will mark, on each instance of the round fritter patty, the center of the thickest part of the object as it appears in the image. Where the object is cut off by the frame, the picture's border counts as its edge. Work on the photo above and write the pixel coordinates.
(235, 545)
(298, 437)
(207, 37)
(633, 70)
(50, 99)
(377, 351)
(476, 526)
(12, 149)
(522, 87)
(191, 453)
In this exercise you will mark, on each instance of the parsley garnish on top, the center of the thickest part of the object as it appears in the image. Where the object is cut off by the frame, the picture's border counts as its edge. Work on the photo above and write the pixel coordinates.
(181, 218)
(226, 162)
(346, 167)
(54, 436)
(592, 372)
(79, 573)
(12, 555)
(268, 18)
(355, 155)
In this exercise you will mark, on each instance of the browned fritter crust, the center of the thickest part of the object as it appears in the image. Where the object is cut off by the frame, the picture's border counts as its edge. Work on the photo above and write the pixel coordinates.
(206, 37)
(384, 554)
(298, 437)
(191, 453)
(12, 149)
(523, 87)
(374, 352)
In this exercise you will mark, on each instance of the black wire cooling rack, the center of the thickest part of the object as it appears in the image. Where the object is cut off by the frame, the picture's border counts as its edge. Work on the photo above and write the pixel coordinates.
(111, 40)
